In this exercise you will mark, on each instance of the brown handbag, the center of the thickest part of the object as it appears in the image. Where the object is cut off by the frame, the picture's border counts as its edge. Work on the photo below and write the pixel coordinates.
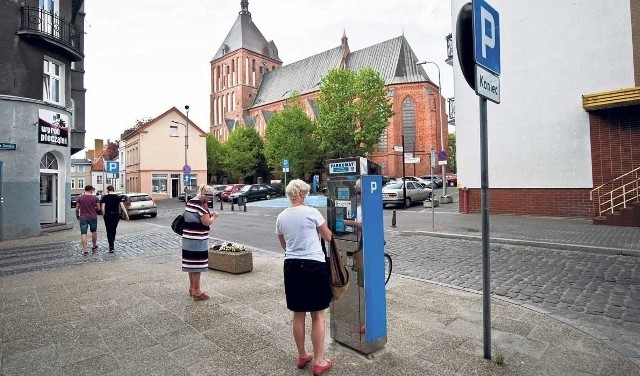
(338, 273)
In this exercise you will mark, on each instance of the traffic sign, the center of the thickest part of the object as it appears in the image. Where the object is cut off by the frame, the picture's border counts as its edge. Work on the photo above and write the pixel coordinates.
(442, 155)
(111, 166)
(186, 169)
(486, 31)
(186, 178)
(398, 148)
(285, 165)
(412, 160)
(487, 84)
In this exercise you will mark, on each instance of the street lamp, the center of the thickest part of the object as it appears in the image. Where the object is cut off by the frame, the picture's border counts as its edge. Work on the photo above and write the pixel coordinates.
(444, 176)
(186, 139)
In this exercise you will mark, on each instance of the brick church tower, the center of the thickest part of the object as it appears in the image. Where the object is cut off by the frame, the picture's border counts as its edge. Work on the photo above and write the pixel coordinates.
(236, 72)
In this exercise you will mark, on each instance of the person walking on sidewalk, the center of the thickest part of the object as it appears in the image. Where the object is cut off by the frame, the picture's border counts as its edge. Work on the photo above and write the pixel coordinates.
(112, 206)
(87, 214)
(306, 274)
(195, 240)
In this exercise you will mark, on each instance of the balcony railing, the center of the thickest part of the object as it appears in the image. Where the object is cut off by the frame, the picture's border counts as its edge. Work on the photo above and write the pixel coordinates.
(449, 40)
(49, 27)
(452, 109)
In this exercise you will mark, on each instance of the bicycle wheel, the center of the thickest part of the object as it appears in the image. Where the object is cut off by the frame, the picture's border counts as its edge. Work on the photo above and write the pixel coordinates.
(388, 267)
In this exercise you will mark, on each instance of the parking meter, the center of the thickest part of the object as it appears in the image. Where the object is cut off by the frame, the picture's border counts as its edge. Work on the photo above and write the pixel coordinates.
(358, 319)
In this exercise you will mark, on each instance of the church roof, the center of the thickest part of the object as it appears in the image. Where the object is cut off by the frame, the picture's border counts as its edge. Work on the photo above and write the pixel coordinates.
(245, 34)
(394, 60)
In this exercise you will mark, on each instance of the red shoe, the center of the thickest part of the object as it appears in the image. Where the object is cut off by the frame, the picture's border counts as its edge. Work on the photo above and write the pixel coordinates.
(302, 362)
(318, 370)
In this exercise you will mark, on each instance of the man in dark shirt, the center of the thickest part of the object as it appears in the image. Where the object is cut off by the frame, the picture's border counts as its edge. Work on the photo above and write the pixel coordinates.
(87, 214)
(111, 207)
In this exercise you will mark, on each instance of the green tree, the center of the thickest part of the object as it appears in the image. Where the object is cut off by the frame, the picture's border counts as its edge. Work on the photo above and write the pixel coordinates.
(243, 154)
(215, 156)
(289, 135)
(452, 166)
(353, 112)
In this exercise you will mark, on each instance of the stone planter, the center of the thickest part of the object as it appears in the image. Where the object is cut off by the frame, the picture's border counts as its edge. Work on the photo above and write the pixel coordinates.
(231, 262)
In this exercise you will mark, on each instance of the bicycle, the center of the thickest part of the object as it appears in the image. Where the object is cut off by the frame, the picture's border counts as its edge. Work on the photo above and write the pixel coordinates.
(388, 267)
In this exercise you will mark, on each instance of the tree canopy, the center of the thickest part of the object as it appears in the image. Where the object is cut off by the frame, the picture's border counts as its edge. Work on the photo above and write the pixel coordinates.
(243, 154)
(215, 154)
(289, 135)
(353, 112)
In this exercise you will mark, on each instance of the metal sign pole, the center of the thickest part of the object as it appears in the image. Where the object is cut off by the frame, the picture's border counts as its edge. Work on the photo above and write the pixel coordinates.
(433, 196)
(486, 261)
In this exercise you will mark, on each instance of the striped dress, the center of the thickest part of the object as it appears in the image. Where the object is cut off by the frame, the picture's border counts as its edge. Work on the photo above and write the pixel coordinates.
(195, 238)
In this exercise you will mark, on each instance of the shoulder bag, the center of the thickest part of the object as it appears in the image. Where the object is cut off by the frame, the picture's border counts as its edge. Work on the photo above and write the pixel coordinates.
(178, 224)
(338, 273)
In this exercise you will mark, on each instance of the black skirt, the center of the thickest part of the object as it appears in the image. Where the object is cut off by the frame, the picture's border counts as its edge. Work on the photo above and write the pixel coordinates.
(306, 285)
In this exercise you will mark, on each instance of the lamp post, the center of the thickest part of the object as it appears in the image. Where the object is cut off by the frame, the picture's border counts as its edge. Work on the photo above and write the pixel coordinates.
(186, 141)
(444, 176)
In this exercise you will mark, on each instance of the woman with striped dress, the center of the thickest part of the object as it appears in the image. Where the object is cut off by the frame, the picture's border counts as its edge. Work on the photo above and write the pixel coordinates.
(195, 240)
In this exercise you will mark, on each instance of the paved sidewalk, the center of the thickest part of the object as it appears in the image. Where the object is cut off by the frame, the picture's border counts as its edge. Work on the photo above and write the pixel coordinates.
(128, 314)
(134, 317)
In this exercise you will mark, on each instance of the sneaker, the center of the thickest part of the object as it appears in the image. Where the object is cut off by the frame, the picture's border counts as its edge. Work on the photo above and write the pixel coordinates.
(110, 250)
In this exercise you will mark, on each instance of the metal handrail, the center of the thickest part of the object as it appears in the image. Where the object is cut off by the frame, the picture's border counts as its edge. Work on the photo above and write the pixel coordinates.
(50, 24)
(621, 191)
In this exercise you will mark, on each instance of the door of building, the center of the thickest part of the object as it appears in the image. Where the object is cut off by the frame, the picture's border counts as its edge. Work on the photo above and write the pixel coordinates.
(48, 198)
(175, 185)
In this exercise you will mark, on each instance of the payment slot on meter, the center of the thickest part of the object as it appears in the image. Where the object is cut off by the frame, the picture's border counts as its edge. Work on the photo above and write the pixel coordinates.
(358, 319)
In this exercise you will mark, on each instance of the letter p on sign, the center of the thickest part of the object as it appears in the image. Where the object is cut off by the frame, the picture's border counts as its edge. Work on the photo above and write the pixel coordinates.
(486, 30)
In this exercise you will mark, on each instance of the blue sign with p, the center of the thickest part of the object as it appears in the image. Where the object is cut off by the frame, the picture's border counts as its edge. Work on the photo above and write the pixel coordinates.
(486, 30)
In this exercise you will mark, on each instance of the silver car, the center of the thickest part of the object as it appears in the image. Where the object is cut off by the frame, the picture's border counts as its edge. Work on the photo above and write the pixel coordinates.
(139, 204)
(393, 193)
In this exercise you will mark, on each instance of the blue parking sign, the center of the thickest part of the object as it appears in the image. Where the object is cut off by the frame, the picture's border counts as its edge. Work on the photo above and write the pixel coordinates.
(486, 31)
(111, 167)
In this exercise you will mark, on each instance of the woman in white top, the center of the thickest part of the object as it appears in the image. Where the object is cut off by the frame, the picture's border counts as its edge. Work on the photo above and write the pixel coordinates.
(306, 274)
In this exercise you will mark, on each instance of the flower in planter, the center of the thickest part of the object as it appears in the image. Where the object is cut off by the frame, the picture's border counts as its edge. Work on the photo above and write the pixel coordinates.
(228, 247)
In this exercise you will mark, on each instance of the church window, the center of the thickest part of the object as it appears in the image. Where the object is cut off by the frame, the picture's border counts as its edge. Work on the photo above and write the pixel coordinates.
(409, 124)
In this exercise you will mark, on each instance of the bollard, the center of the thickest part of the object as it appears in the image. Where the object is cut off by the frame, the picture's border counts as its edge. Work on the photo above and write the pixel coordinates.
(393, 219)
(231, 205)
(244, 205)
(221, 208)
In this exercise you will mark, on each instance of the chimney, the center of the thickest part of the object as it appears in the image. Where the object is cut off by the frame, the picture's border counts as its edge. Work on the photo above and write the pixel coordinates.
(99, 145)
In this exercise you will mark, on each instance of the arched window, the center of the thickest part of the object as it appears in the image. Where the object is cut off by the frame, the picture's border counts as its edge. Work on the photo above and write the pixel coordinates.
(409, 124)
(49, 162)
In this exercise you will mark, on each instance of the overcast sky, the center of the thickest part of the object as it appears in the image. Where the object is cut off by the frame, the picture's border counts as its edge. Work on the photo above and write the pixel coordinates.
(143, 57)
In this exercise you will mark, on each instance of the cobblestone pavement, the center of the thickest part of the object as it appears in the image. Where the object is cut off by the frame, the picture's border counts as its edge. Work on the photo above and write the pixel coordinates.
(597, 293)
(600, 294)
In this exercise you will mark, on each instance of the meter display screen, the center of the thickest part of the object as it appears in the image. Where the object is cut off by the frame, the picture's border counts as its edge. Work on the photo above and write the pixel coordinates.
(342, 193)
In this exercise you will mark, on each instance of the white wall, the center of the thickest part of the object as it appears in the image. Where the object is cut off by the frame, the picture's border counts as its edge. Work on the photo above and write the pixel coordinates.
(552, 52)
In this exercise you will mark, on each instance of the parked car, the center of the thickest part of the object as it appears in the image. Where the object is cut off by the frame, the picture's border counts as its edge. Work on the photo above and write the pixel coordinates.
(74, 199)
(231, 188)
(393, 193)
(416, 179)
(190, 194)
(253, 192)
(452, 180)
(139, 204)
(217, 190)
(433, 181)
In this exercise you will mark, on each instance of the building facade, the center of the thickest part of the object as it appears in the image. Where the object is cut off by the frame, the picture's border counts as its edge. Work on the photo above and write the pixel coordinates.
(548, 145)
(249, 83)
(42, 111)
(80, 174)
(147, 148)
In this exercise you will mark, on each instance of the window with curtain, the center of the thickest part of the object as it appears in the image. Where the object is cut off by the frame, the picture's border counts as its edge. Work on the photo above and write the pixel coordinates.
(53, 81)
